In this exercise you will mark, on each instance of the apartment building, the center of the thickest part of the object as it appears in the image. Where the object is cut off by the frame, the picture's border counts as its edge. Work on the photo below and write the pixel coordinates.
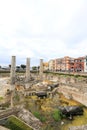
(51, 65)
(69, 64)
(79, 64)
(64, 64)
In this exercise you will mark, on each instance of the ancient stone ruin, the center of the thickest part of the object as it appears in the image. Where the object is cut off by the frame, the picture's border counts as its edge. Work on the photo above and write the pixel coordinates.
(41, 69)
(13, 67)
(27, 70)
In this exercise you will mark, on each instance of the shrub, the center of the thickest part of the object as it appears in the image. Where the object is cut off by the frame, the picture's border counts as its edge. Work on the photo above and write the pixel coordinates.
(57, 115)
(39, 116)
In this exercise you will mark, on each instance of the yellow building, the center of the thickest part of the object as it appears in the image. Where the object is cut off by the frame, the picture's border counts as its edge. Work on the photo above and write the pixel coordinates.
(45, 66)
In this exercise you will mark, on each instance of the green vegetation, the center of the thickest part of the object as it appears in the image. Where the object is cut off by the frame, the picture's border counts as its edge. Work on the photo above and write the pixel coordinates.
(80, 78)
(40, 116)
(1, 98)
(7, 73)
(14, 124)
(57, 115)
(23, 66)
(16, 97)
(34, 68)
(48, 127)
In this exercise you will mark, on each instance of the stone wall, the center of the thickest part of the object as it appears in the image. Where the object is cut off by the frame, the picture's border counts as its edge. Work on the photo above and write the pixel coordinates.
(66, 78)
(74, 93)
(71, 86)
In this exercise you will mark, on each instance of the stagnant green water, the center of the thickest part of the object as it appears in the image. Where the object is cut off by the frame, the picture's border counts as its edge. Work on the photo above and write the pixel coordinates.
(43, 108)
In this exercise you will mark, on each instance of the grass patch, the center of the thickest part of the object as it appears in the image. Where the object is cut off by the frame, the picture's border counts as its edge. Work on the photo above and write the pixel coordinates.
(16, 97)
(41, 117)
(57, 115)
(15, 124)
(1, 98)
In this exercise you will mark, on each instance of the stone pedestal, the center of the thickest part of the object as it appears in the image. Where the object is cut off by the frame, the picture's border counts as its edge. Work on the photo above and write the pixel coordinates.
(13, 67)
(27, 70)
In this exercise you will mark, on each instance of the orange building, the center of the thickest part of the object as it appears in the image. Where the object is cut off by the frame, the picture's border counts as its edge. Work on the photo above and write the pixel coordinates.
(64, 64)
(69, 64)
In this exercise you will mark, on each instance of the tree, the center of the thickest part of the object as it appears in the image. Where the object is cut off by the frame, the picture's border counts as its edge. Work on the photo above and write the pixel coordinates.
(34, 67)
(10, 66)
(38, 67)
(23, 66)
(18, 67)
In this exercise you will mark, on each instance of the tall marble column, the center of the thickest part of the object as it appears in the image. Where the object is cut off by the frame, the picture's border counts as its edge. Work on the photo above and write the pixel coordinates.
(27, 69)
(41, 68)
(12, 72)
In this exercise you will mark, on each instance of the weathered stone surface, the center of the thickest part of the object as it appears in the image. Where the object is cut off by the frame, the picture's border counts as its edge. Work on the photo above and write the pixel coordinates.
(73, 92)
(29, 118)
(3, 128)
(13, 67)
(54, 86)
(4, 86)
(41, 69)
(27, 70)
(83, 127)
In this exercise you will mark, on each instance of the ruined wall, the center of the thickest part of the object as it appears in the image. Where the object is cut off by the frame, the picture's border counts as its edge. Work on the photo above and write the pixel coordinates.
(71, 86)
(66, 78)
(74, 93)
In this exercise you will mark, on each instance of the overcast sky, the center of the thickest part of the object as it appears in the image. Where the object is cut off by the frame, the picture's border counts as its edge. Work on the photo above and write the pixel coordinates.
(42, 29)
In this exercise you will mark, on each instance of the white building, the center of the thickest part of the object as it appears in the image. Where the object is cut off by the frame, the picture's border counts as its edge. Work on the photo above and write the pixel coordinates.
(85, 64)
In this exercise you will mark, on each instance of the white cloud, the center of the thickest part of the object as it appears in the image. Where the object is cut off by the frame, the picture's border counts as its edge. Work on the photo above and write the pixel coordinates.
(42, 28)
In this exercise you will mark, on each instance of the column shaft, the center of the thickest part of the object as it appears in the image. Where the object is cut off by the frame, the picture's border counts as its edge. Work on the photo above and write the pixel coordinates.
(41, 68)
(27, 69)
(13, 67)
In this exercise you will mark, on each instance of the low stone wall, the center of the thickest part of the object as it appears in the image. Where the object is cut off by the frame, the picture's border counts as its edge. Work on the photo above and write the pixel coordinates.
(74, 93)
(29, 118)
(65, 78)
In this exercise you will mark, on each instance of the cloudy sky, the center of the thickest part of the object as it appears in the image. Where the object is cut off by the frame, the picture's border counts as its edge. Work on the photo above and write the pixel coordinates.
(42, 29)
